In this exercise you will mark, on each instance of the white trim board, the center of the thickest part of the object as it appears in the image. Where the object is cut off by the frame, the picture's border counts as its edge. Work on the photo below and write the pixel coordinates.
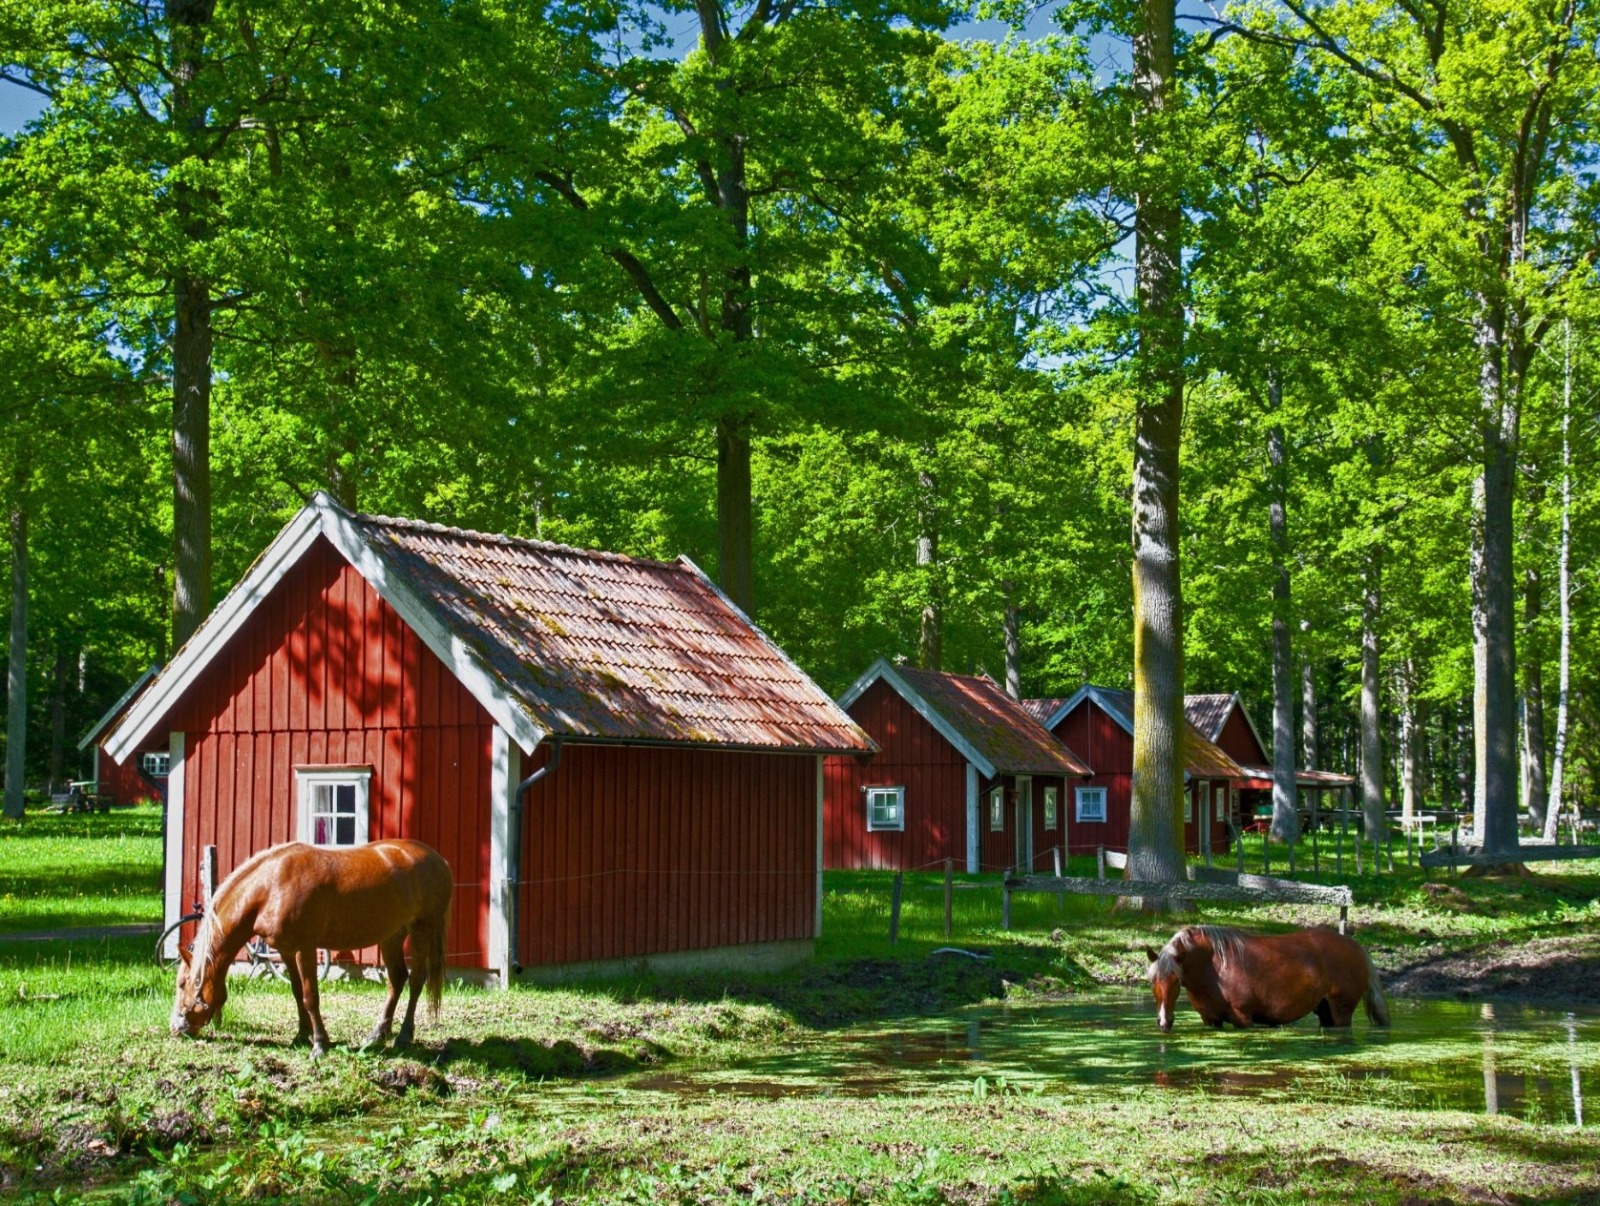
(322, 516)
(172, 889)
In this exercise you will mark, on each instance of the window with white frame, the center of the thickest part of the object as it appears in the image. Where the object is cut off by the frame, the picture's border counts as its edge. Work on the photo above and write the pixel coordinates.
(997, 810)
(886, 808)
(1091, 803)
(156, 763)
(1188, 804)
(1222, 803)
(1051, 795)
(333, 804)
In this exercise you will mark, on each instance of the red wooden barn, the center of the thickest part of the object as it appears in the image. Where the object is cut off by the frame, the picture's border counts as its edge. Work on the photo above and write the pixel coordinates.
(376, 677)
(1225, 720)
(142, 776)
(962, 772)
(1097, 723)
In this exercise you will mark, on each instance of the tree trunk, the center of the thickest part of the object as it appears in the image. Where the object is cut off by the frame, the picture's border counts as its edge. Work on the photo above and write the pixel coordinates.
(61, 670)
(1371, 732)
(1552, 814)
(1155, 836)
(1308, 714)
(1013, 635)
(735, 544)
(1285, 796)
(1493, 595)
(192, 335)
(1533, 702)
(1410, 743)
(17, 666)
(930, 637)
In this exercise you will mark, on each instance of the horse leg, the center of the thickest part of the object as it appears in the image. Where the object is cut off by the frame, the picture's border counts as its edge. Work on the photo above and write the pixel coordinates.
(1325, 1013)
(307, 961)
(394, 959)
(419, 977)
(297, 989)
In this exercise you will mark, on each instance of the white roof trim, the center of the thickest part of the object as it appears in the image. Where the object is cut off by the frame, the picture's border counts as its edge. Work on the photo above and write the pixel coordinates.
(320, 517)
(881, 669)
(771, 644)
(1254, 732)
(122, 701)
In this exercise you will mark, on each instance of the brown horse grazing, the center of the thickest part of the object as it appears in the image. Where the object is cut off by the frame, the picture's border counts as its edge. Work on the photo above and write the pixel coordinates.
(304, 898)
(1265, 980)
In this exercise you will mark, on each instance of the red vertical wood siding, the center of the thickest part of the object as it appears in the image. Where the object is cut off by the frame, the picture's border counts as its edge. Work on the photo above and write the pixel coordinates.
(914, 755)
(325, 672)
(1239, 742)
(636, 850)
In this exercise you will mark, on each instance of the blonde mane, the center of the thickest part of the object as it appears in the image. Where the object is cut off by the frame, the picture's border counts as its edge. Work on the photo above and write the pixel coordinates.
(211, 924)
(1225, 942)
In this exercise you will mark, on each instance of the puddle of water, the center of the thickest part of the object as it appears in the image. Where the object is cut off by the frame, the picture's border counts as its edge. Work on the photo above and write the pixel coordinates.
(1536, 1064)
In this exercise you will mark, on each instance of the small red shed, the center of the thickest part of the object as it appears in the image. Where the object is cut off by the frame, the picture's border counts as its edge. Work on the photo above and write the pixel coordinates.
(1097, 722)
(140, 777)
(962, 772)
(1225, 720)
(373, 677)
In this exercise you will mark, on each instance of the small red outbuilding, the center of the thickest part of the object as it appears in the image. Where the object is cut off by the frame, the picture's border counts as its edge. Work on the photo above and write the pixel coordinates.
(374, 677)
(1097, 722)
(1225, 720)
(962, 772)
(141, 777)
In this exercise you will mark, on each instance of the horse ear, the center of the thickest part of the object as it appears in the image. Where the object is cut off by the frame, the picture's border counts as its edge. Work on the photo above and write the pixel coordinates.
(1153, 955)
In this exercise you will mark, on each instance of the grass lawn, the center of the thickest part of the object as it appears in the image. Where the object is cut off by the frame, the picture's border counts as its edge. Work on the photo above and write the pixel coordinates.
(598, 1093)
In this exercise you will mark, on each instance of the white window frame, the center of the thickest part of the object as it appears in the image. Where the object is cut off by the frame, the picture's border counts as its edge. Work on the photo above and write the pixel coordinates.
(1188, 804)
(1221, 798)
(1084, 795)
(307, 778)
(156, 763)
(997, 809)
(899, 794)
(1052, 808)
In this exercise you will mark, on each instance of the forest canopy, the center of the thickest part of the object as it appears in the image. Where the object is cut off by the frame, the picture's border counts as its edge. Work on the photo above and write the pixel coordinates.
(842, 300)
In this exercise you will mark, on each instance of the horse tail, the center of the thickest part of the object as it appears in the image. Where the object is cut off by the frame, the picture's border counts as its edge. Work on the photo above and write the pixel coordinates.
(435, 961)
(1377, 1007)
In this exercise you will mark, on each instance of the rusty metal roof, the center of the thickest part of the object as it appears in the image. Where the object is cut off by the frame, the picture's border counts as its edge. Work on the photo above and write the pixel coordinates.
(980, 719)
(1260, 778)
(1208, 713)
(606, 647)
(1203, 758)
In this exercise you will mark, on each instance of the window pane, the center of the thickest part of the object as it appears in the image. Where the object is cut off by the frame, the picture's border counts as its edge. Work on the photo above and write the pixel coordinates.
(345, 798)
(321, 831)
(346, 828)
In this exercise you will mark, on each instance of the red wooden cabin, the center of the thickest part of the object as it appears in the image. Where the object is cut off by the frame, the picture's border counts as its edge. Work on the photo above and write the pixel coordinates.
(962, 772)
(375, 677)
(140, 777)
(1225, 720)
(1097, 723)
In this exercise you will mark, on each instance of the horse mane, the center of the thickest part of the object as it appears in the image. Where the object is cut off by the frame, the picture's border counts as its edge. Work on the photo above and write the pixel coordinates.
(1226, 944)
(210, 930)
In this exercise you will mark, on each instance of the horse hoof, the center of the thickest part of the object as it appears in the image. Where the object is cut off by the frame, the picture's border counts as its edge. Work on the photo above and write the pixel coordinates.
(374, 1039)
(318, 1050)
(403, 1039)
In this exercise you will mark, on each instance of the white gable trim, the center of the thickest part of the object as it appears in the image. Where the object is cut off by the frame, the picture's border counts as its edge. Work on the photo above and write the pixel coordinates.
(1254, 732)
(881, 669)
(320, 517)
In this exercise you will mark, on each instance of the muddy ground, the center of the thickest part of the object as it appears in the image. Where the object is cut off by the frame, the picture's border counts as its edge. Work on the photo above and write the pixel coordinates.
(1562, 970)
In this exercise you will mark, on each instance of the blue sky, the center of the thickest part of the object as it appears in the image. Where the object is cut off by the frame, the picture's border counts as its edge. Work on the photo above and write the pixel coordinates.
(17, 105)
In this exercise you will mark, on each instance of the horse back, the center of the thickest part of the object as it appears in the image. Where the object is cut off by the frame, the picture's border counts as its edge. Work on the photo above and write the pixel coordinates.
(399, 879)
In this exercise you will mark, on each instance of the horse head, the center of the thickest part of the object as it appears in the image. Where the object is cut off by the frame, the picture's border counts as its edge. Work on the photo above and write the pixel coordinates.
(1166, 981)
(199, 997)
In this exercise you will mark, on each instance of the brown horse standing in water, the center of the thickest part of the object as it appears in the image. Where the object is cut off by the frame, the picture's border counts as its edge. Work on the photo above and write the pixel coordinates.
(1265, 980)
(304, 898)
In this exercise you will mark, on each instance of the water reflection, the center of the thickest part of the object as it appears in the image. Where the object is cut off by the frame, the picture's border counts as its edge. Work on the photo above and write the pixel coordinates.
(1438, 1055)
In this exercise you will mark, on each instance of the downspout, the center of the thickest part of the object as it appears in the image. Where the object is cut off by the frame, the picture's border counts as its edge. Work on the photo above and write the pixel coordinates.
(516, 846)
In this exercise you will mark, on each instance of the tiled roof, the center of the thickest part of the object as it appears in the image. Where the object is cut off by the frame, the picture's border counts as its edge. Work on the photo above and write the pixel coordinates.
(1261, 777)
(1043, 709)
(1208, 713)
(612, 648)
(1203, 758)
(994, 724)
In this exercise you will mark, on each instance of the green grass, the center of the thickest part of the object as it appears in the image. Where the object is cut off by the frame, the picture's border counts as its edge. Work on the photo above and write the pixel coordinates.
(79, 869)
(543, 1095)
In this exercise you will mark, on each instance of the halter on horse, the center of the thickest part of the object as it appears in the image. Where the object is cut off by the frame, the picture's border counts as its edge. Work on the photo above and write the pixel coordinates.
(304, 898)
(1265, 980)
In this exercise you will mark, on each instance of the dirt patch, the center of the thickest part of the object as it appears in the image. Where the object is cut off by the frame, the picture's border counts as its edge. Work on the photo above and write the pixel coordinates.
(1561, 970)
(405, 1076)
